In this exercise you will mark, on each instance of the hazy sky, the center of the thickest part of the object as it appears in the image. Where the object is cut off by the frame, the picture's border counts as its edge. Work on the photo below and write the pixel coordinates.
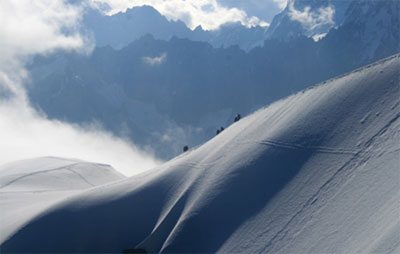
(210, 14)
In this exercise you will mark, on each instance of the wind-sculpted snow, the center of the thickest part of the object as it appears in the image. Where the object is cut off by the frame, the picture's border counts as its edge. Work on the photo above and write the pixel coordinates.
(317, 172)
(29, 187)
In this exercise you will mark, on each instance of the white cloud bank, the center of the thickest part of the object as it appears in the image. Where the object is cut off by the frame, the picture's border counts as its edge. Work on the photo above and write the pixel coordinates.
(30, 27)
(157, 60)
(26, 134)
(207, 13)
(312, 20)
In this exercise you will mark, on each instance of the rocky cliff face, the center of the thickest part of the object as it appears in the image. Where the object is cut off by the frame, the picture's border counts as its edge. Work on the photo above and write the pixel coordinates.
(309, 18)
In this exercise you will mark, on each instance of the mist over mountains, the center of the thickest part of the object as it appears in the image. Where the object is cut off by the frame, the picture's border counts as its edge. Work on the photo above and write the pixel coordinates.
(177, 86)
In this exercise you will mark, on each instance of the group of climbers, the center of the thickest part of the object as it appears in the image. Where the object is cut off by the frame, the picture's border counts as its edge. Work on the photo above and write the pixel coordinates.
(237, 118)
(220, 130)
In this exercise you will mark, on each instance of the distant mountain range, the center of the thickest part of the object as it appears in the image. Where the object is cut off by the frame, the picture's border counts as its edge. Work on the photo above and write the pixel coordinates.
(165, 92)
(122, 28)
(310, 18)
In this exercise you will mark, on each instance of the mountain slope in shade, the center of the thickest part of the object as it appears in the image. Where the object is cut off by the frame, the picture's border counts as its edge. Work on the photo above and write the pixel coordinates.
(316, 172)
(29, 187)
(374, 26)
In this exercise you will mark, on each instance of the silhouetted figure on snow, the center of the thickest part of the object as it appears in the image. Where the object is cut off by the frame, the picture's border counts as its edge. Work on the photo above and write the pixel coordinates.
(220, 130)
(185, 148)
(237, 118)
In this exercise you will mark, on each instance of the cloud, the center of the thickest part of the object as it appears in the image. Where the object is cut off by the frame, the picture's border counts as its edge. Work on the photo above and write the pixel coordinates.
(31, 27)
(312, 20)
(207, 13)
(25, 133)
(281, 3)
(263, 9)
(28, 28)
(157, 60)
(318, 37)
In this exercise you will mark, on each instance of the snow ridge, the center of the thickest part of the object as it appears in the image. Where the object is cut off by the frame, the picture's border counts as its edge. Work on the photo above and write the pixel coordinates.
(307, 174)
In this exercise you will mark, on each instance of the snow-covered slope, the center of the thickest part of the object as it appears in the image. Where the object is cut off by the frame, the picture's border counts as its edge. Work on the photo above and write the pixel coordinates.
(317, 172)
(29, 187)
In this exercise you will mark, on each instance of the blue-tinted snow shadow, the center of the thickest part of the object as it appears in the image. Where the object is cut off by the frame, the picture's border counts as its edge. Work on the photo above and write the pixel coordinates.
(132, 218)
(106, 227)
(246, 194)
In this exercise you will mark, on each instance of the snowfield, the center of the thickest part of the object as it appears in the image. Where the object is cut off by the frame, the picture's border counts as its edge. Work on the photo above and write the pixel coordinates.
(317, 172)
(29, 187)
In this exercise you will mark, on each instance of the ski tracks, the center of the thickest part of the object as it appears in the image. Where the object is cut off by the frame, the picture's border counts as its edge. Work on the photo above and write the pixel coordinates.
(66, 167)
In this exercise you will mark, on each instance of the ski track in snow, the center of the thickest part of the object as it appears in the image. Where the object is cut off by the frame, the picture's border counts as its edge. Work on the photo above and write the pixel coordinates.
(83, 178)
(316, 196)
(67, 167)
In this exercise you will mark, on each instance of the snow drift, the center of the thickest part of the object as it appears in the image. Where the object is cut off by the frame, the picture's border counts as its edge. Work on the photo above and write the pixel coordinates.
(317, 172)
(29, 187)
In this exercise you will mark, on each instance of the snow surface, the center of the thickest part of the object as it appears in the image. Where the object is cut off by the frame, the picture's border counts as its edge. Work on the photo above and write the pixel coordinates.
(29, 187)
(317, 172)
